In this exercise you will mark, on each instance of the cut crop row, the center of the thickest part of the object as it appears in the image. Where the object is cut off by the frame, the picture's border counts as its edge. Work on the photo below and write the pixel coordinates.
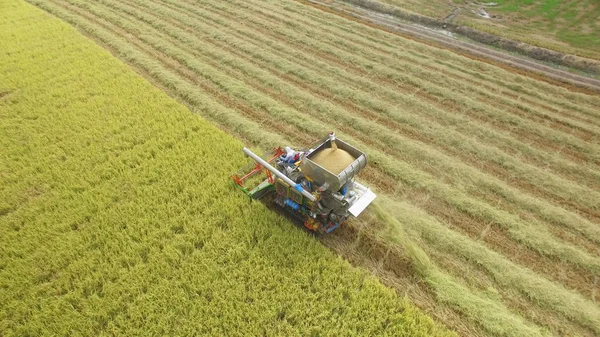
(240, 46)
(388, 43)
(384, 58)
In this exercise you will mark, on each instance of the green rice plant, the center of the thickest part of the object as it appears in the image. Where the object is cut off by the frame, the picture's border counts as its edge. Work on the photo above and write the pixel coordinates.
(119, 217)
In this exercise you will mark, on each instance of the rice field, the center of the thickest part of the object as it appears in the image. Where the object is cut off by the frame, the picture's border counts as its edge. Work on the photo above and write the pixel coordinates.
(488, 180)
(117, 216)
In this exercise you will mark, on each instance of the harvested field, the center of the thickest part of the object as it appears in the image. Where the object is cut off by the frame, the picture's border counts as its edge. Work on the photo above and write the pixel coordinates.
(488, 180)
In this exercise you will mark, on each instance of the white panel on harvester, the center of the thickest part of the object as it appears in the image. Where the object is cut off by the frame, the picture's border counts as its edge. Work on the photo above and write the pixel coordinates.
(362, 203)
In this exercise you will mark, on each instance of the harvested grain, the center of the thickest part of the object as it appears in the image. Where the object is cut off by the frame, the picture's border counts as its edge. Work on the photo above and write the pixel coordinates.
(335, 161)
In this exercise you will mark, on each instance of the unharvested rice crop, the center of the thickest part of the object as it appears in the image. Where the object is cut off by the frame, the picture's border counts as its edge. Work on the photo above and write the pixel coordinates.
(117, 217)
(488, 180)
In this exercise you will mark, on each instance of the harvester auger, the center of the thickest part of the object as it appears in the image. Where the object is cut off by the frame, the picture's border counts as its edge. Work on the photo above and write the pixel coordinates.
(317, 184)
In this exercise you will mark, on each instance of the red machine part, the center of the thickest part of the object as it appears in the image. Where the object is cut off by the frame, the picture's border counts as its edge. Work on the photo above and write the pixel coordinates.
(277, 152)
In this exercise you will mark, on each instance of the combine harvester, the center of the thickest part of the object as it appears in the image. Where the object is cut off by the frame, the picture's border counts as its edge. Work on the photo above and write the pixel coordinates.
(315, 184)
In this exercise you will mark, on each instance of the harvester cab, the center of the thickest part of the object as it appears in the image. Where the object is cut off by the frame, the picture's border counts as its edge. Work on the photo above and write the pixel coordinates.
(316, 184)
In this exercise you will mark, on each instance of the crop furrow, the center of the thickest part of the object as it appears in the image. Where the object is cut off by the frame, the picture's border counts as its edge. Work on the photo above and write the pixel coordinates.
(517, 107)
(499, 78)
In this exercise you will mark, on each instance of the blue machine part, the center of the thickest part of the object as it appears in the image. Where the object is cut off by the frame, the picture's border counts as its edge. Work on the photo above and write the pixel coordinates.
(298, 188)
(292, 204)
(344, 190)
(329, 230)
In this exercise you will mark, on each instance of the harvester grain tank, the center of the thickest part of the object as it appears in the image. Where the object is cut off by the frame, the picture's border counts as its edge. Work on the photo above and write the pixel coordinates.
(316, 184)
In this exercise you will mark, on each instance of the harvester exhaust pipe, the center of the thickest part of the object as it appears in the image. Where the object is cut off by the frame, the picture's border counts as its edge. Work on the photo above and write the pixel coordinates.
(280, 175)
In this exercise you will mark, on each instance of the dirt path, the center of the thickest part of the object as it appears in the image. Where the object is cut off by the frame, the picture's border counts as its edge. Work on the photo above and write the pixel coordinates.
(439, 38)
